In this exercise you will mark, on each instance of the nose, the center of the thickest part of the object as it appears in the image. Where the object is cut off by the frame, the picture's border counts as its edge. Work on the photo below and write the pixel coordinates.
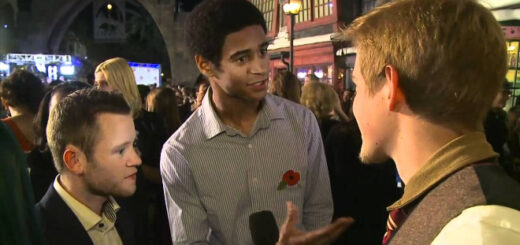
(134, 160)
(260, 65)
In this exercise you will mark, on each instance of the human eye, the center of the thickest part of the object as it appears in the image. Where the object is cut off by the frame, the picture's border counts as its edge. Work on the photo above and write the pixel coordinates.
(263, 51)
(121, 151)
(242, 59)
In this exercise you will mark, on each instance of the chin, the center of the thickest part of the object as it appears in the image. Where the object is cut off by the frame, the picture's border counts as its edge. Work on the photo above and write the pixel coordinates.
(372, 156)
(125, 193)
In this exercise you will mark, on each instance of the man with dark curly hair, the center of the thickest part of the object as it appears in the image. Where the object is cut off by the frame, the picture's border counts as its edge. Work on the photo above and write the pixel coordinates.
(21, 94)
(243, 150)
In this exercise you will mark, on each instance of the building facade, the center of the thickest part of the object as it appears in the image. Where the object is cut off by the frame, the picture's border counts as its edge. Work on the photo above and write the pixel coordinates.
(315, 51)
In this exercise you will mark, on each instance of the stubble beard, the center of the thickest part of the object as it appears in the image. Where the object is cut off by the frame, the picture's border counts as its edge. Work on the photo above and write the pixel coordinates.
(372, 156)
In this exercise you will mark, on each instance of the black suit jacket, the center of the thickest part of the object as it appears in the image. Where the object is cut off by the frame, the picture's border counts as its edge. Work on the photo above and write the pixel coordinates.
(62, 227)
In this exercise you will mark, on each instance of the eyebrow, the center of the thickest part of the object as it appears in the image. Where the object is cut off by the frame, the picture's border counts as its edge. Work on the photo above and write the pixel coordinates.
(246, 51)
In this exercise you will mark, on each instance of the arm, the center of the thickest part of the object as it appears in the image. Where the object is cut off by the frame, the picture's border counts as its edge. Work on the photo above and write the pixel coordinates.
(186, 215)
(317, 207)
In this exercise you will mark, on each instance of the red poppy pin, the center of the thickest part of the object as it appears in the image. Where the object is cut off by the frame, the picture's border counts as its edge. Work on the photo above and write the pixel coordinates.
(290, 178)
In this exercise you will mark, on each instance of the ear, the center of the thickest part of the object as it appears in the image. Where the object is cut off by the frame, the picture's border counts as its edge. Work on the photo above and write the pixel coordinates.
(74, 159)
(205, 66)
(395, 95)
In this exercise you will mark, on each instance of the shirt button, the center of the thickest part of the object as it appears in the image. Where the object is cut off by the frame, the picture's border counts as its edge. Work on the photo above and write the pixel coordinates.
(250, 146)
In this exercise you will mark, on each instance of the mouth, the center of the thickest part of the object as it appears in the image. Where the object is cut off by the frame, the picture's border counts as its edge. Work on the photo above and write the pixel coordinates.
(132, 176)
(258, 85)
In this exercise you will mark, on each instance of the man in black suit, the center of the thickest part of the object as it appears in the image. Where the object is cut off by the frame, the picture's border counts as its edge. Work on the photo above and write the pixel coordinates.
(91, 136)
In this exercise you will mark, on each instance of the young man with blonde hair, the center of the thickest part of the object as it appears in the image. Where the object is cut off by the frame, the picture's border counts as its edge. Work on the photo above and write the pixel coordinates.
(426, 75)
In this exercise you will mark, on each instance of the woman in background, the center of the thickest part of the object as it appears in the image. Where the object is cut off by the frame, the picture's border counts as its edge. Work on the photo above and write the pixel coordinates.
(322, 100)
(286, 85)
(164, 102)
(116, 75)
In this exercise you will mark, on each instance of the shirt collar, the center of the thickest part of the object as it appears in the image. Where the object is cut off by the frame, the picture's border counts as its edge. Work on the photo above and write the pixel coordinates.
(457, 154)
(213, 125)
(85, 215)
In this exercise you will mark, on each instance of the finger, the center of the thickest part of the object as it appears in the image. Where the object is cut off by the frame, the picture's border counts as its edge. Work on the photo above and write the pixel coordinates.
(292, 215)
(289, 224)
(329, 233)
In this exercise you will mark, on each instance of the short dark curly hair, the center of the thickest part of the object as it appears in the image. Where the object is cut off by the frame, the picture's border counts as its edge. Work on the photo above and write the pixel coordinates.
(212, 20)
(22, 89)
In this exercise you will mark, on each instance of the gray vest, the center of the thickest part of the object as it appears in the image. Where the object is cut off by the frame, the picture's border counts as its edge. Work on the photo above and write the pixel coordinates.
(478, 184)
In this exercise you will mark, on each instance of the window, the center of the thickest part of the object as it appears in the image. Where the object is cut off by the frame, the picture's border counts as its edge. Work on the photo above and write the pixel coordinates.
(281, 17)
(314, 9)
(267, 8)
(305, 14)
(322, 8)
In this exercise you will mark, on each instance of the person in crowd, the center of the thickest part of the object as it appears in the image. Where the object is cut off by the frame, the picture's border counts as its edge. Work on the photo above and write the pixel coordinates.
(361, 191)
(91, 136)
(21, 93)
(202, 84)
(286, 85)
(184, 104)
(164, 102)
(422, 96)
(143, 92)
(116, 75)
(310, 78)
(244, 150)
(321, 99)
(19, 222)
(512, 148)
(347, 97)
(39, 160)
(495, 124)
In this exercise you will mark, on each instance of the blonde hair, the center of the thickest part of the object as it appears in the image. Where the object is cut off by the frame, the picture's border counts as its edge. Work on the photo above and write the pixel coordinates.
(121, 77)
(320, 98)
(285, 84)
(450, 56)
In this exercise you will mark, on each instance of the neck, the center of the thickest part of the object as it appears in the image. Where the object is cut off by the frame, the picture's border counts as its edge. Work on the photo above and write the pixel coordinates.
(426, 138)
(77, 188)
(236, 112)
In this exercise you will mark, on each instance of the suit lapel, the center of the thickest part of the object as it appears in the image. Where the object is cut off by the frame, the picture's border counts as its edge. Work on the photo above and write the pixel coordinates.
(61, 226)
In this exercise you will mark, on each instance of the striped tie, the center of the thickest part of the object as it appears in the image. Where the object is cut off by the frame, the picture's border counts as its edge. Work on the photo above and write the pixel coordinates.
(396, 218)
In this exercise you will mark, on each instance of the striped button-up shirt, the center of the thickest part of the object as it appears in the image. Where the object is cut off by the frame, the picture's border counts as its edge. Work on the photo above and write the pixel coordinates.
(214, 177)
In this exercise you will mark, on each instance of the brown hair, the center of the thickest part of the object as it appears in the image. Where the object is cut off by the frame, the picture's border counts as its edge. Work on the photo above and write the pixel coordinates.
(22, 89)
(320, 98)
(164, 102)
(285, 84)
(74, 121)
(450, 56)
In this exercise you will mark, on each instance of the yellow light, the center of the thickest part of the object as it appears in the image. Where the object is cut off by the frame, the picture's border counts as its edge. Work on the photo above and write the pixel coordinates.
(162, 74)
(511, 48)
(292, 7)
(109, 6)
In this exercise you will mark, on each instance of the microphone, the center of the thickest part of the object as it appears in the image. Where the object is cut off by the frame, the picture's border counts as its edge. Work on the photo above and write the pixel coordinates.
(264, 230)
